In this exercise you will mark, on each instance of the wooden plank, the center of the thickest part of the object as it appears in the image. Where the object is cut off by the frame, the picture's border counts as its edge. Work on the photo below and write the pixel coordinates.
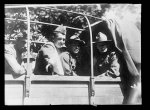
(63, 78)
(107, 79)
(60, 101)
(9, 77)
(58, 78)
(66, 92)
(58, 92)
(108, 91)
(14, 90)
(14, 93)
(105, 94)
(108, 100)
(108, 94)
(59, 85)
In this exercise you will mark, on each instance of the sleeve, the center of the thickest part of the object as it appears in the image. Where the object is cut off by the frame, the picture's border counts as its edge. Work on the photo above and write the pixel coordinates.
(65, 60)
(12, 62)
(114, 65)
(10, 50)
(48, 53)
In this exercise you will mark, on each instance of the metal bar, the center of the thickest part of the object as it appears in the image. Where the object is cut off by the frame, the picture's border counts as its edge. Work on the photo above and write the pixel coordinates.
(28, 40)
(27, 77)
(44, 23)
(92, 86)
(93, 24)
(33, 5)
(46, 5)
(76, 13)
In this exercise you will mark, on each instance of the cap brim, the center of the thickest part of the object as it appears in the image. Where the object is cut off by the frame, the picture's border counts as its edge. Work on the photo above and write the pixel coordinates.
(103, 42)
(80, 42)
(59, 32)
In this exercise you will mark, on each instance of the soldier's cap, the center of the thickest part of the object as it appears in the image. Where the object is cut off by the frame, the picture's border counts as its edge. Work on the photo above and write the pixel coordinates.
(60, 29)
(102, 38)
(75, 40)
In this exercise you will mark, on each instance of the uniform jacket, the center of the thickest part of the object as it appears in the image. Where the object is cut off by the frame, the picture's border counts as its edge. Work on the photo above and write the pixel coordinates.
(106, 63)
(14, 62)
(127, 39)
(68, 63)
(46, 53)
(75, 64)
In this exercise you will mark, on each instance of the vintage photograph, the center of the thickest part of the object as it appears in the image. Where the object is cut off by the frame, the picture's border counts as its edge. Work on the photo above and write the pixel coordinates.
(72, 54)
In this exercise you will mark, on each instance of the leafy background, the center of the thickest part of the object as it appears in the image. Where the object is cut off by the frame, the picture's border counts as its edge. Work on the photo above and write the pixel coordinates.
(15, 28)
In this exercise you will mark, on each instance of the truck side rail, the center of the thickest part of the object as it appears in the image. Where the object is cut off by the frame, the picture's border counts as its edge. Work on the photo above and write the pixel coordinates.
(64, 90)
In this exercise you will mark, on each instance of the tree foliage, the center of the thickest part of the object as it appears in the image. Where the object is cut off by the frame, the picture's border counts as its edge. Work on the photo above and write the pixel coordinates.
(49, 15)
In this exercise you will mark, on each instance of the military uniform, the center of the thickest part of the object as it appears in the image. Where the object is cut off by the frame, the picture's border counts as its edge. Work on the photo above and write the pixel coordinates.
(105, 57)
(68, 63)
(74, 62)
(74, 65)
(48, 59)
(47, 52)
(13, 61)
(106, 64)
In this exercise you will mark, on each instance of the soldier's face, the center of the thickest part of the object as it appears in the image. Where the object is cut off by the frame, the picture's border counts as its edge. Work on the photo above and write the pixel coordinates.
(59, 40)
(102, 47)
(75, 48)
(22, 45)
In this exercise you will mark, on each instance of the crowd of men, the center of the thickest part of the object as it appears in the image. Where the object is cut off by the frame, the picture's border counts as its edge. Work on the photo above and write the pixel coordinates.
(65, 57)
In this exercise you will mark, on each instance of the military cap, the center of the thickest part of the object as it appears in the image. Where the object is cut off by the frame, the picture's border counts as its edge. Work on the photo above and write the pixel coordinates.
(75, 39)
(60, 29)
(102, 38)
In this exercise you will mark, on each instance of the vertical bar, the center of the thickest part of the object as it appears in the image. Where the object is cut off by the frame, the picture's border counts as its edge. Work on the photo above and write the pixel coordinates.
(27, 77)
(92, 86)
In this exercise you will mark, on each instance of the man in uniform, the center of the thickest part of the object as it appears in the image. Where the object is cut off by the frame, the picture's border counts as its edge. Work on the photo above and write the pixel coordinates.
(105, 57)
(48, 58)
(72, 58)
(13, 54)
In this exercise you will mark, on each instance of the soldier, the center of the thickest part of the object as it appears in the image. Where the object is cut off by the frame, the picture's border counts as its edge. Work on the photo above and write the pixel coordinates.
(72, 57)
(13, 56)
(48, 58)
(105, 57)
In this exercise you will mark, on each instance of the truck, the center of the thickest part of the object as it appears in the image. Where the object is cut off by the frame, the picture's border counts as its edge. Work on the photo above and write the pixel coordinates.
(33, 89)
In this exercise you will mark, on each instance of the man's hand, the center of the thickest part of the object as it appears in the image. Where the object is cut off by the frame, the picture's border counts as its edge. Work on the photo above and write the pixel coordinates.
(111, 74)
(74, 74)
(22, 71)
(108, 74)
(49, 67)
(103, 75)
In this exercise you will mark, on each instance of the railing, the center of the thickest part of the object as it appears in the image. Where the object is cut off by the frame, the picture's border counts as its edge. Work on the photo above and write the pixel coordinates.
(64, 90)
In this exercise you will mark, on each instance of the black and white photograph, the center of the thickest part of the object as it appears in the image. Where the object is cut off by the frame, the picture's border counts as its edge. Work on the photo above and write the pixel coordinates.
(72, 54)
